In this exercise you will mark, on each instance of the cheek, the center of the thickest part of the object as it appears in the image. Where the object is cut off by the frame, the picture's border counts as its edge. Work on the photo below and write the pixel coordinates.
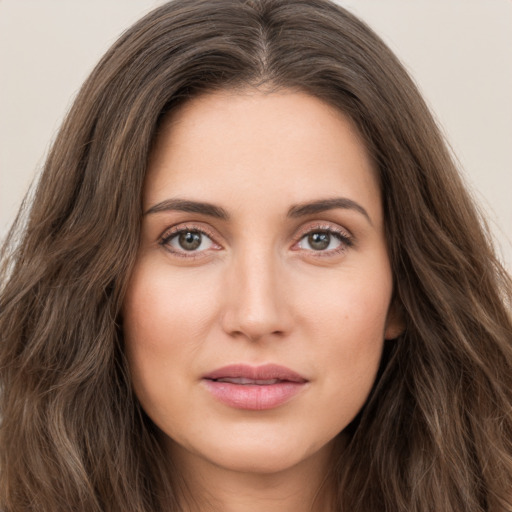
(350, 305)
(346, 318)
(353, 346)
(162, 306)
(165, 317)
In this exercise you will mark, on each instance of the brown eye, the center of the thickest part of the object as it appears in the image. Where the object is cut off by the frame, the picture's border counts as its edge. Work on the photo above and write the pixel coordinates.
(189, 240)
(319, 241)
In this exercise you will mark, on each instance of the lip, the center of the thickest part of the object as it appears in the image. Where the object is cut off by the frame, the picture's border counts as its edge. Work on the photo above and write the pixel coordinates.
(273, 385)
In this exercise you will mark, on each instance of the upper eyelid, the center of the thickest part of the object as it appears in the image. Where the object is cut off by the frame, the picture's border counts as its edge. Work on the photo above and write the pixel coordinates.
(174, 230)
(324, 227)
(321, 226)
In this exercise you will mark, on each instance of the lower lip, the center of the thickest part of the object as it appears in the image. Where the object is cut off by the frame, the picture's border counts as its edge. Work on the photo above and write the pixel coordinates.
(254, 397)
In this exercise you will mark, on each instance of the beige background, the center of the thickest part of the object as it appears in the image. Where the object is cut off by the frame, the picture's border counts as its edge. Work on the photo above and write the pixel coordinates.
(459, 51)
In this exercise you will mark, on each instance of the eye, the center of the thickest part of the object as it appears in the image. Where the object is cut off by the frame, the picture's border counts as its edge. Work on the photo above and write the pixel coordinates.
(186, 240)
(327, 240)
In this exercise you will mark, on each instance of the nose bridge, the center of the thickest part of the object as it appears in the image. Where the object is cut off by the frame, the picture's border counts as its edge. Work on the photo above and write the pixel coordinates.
(255, 304)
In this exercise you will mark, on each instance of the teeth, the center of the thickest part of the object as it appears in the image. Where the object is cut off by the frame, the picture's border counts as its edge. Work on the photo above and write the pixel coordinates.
(243, 380)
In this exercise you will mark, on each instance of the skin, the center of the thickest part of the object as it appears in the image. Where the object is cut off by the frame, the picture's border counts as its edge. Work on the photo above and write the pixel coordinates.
(258, 290)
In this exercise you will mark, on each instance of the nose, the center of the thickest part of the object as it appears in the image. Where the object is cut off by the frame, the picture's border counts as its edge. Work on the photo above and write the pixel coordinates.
(256, 303)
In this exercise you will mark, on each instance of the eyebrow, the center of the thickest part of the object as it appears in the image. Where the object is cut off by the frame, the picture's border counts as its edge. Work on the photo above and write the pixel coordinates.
(322, 205)
(296, 211)
(184, 205)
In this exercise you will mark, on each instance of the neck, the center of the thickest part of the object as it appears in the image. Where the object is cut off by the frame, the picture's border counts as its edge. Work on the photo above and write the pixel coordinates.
(305, 487)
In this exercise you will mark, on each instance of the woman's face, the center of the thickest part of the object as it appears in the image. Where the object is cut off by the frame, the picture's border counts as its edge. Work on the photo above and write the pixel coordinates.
(257, 309)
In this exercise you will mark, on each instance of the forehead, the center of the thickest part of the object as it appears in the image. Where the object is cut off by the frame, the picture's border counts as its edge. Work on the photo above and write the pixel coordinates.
(250, 145)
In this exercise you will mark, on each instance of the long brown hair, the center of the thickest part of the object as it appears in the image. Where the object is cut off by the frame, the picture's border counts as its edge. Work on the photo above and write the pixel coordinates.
(436, 432)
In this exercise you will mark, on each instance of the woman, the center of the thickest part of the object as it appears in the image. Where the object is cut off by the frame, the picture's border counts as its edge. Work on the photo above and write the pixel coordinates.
(251, 279)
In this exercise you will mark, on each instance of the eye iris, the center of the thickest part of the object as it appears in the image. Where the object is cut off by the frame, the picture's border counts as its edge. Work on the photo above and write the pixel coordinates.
(189, 240)
(319, 240)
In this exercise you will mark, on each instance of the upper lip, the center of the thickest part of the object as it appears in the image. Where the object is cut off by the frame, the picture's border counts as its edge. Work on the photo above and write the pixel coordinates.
(264, 372)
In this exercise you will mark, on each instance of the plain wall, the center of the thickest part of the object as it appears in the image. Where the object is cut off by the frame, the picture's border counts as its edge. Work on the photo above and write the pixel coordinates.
(458, 51)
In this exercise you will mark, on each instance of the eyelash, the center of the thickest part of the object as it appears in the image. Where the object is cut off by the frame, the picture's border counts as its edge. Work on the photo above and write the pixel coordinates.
(346, 240)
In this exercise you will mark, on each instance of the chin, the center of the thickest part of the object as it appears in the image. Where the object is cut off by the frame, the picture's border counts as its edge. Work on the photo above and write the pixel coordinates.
(258, 461)
(257, 454)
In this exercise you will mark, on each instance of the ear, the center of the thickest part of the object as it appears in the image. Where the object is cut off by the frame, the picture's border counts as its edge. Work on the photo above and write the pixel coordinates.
(395, 323)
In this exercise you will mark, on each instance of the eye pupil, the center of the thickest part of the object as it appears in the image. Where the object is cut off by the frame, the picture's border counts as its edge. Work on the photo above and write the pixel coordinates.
(189, 240)
(319, 240)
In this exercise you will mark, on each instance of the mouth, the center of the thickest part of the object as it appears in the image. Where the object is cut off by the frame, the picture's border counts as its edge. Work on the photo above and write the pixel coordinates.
(242, 381)
(254, 388)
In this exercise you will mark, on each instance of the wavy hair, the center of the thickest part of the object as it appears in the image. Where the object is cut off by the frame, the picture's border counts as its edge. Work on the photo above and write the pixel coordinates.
(436, 432)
